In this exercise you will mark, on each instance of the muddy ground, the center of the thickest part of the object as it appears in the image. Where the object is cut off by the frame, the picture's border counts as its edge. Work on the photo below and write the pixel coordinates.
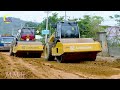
(37, 68)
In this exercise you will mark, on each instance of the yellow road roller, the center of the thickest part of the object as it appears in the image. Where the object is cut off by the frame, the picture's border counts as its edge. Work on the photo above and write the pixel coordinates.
(65, 44)
(25, 44)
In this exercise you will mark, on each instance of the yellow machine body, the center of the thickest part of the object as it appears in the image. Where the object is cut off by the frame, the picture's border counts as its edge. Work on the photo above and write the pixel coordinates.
(31, 48)
(61, 48)
(27, 48)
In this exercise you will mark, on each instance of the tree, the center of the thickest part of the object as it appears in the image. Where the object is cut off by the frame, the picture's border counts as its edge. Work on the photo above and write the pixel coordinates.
(89, 26)
(117, 18)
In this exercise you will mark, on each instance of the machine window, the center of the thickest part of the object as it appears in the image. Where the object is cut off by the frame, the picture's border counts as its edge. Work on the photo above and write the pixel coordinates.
(69, 31)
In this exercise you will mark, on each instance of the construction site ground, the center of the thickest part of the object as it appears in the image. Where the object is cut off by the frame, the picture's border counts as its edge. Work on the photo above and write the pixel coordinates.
(37, 68)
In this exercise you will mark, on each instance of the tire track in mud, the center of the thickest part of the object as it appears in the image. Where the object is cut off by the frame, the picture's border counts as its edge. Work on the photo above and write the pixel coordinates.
(41, 72)
(13, 69)
(17, 63)
(47, 72)
(7, 67)
(58, 74)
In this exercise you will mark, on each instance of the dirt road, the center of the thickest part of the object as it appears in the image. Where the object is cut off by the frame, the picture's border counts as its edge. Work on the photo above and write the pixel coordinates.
(18, 68)
(37, 68)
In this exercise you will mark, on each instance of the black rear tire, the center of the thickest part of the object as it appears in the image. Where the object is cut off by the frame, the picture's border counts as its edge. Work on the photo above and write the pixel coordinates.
(60, 59)
(11, 52)
(48, 52)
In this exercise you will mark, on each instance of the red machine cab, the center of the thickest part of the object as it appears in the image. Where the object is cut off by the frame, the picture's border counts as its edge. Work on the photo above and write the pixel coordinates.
(27, 34)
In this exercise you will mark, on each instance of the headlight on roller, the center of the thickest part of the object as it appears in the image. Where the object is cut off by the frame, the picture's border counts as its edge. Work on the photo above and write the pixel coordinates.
(27, 39)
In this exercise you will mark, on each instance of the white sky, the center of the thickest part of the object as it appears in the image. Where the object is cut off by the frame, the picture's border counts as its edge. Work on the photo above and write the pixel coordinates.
(39, 15)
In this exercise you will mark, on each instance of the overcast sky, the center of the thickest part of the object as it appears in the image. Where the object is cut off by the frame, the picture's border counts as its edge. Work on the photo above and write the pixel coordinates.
(39, 15)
